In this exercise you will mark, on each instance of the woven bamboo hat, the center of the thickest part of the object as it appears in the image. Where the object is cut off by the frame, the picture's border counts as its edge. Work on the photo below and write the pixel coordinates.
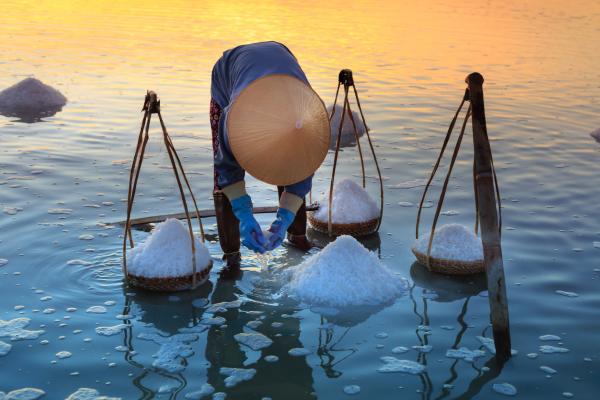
(278, 130)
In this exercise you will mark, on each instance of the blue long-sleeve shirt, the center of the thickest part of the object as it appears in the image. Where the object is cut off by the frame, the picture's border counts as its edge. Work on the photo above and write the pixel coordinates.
(232, 73)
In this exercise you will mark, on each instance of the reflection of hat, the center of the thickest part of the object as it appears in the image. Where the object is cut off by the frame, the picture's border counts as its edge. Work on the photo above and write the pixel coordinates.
(278, 130)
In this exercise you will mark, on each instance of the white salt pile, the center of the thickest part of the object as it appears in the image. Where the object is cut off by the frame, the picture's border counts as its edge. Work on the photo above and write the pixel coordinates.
(351, 204)
(167, 253)
(344, 274)
(348, 137)
(31, 94)
(452, 242)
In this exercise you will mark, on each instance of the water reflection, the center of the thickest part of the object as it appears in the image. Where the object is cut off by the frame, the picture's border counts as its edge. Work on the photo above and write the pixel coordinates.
(29, 115)
(440, 288)
(289, 377)
(164, 315)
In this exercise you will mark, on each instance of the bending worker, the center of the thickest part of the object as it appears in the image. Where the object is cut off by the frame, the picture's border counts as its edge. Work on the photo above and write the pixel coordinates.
(266, 120)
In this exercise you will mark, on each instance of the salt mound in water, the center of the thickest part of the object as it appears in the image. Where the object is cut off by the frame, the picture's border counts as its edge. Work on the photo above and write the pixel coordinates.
(344, 274)
(596, 135)
(31, 94)
(348, 137)
(167, 253)
(452, 242)
(351, 204)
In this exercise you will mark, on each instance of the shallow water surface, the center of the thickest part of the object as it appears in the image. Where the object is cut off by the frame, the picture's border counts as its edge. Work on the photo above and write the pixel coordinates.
(63, 180)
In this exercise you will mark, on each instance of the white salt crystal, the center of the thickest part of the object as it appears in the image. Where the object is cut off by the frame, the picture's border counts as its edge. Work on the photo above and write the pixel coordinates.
(167, 252)
(351, 204)
(237, 375)
(4, 348)
(298, 352)
(504, 388)
(96, 310)
(271, 358)
(548, 370)
(110, 330)
(63, 354)
(392, 364)
(3, 262)
(86, 236)
(13, 329)
(255, 341)
(344, 273)
(547, 338)
(213, 321)
(452, 242)
(352, 389)
(546, 349)
(399, 350)
(60, 211)
(206, 390)
(89, 394)
(423, 349)
(25, 394)
(464, 354)
(173, 350)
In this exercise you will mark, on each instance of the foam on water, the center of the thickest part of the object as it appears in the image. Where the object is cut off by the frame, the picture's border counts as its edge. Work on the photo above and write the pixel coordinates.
(236, 375)
(392, 364)
(350, 204)
(167, 252)
(14, 329)
(255, 341)
(452, 242)
(343, 274)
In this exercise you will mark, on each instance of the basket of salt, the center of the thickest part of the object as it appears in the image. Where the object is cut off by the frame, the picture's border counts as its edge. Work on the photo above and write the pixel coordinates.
(172, 258)
(349, 210)
(164, 261)
(455, 250)
(353, 211)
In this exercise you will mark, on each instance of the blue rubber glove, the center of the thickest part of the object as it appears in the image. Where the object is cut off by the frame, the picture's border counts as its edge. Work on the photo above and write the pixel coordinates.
(252, 236)
(279, 227)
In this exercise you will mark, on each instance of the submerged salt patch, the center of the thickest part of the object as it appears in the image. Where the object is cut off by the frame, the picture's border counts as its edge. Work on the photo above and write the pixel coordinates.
(343, 274)
(255, 341)
(173, 350)
(4, 348)
(25, 394)
(350, 204)
(452, 242)
(167, 253)
(504, 388)
(89, 394)
(110, 330)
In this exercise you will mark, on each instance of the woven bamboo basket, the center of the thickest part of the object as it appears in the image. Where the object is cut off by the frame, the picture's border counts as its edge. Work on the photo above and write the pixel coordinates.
(353, 229)
(449, 267)
(171, 284)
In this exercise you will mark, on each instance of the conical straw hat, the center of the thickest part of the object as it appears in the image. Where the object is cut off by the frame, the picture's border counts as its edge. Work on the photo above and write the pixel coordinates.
(278, 130)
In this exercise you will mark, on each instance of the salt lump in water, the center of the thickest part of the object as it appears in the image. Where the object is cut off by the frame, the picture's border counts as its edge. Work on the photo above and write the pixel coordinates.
(30, 97)
(351, 204)
(348, 137)
(344, 274)
(452, 242)
(167, 253)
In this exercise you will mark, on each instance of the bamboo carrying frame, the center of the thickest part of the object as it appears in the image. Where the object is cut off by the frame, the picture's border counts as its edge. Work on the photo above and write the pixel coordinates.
(441, 265)
(488, 211)
(359, 228)
(171, 284)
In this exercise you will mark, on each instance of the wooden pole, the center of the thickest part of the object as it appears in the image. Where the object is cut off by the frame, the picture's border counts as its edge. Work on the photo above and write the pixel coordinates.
(488, 219)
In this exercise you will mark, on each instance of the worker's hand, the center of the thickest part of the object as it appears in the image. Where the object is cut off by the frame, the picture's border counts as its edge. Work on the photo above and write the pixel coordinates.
(279, 227)
(252, 236)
